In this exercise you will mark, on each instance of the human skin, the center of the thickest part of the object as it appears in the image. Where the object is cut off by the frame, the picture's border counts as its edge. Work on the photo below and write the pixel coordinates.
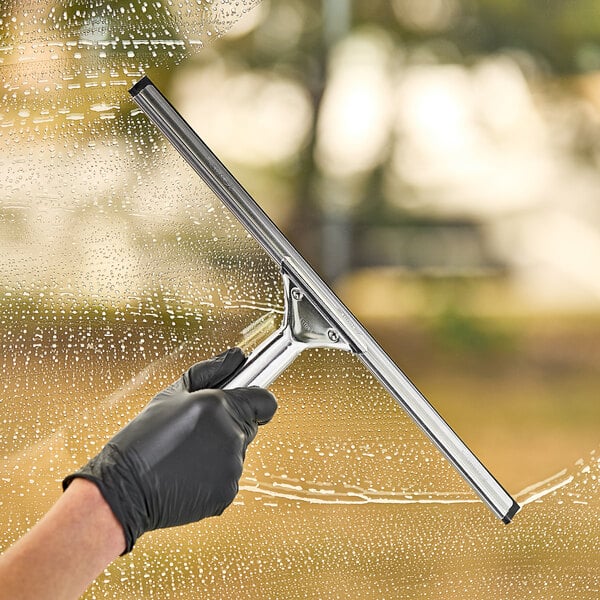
(65, 551)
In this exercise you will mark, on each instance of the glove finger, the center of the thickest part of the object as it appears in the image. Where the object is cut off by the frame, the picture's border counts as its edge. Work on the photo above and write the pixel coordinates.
(254, 405)
(214, 372)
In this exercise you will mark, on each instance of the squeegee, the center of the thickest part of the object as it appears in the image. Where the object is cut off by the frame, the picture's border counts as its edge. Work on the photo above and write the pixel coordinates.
(314, 317)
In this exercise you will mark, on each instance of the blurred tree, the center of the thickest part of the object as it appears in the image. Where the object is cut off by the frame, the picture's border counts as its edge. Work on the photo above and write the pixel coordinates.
(303, 41)
(294, 38)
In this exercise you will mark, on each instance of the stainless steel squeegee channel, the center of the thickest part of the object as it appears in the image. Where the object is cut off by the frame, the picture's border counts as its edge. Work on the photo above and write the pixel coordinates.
(325, 303)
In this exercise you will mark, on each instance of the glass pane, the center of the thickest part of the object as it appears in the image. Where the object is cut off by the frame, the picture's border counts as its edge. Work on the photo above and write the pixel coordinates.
(120, 269)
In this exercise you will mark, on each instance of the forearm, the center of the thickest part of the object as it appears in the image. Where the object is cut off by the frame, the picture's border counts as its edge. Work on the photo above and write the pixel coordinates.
(65, 551)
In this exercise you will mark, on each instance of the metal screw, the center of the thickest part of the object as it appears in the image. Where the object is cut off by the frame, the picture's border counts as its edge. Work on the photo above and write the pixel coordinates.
(297, 294)
(333, 335)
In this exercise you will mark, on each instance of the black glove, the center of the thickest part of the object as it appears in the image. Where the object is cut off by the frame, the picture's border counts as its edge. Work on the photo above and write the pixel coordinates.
(181, 458)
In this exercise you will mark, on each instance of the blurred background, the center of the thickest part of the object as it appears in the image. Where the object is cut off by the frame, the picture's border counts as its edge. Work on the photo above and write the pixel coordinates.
(436, 162)
(443, 139)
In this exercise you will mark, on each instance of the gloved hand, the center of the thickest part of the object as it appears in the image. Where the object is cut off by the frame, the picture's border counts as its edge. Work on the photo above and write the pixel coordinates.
(181, 458)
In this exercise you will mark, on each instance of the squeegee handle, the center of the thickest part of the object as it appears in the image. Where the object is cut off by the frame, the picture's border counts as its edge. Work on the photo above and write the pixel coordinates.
(266, 362)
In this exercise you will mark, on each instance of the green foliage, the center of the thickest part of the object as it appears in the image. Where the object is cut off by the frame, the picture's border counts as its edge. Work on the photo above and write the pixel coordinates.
(555, 32)
(458, 331)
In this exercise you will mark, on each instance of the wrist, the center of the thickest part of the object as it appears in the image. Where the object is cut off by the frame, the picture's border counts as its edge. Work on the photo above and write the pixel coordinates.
(94, 509)
(113, 474)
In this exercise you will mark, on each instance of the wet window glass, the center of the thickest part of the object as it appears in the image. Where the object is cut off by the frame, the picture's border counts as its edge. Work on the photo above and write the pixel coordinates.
(120, 269)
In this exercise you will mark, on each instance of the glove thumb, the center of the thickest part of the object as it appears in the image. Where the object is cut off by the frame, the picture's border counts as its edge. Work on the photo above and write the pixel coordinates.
(214, 372)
